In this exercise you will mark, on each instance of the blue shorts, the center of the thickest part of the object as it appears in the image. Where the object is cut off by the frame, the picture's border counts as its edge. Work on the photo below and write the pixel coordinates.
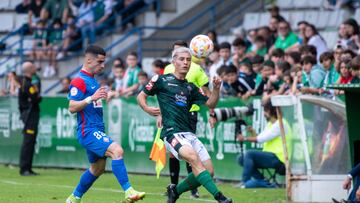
(96, 143)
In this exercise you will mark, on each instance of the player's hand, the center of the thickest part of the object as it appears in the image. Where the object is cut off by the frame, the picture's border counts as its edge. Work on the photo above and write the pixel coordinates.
(100, 93)
(216, 83)
(212, 122)
(154, 111)
(347, 183)
(159, 121)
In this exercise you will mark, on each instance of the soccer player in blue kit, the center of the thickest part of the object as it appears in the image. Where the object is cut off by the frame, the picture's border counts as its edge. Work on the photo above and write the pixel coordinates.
(85, 98)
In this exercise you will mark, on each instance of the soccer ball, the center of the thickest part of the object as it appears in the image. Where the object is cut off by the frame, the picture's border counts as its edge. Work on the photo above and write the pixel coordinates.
(201, 46)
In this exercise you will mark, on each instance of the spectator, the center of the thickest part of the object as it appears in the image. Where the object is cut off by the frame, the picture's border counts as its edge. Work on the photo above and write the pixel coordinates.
(343, 36)
(34, 12)
(353, 31)
(348, 53)
(277, 55)
(107, 19)
(158, 67)
(55, 46)
(55, 9)
(274, 25)
(354, 175)
(86, 21)
(261, 80)
(258, 47)
(272, 154)
(11, 85)
(302, 27)
(338, 51)
(246, 79)
(213, 36)
(236, 88)
(307, 50)
(256, 62)
(118, 62)
(293, 58)
(355, 69)
(286, 39)
(345, 75)
(327, 61)
(225, 59)
(143, 80)
(239, 47)
(130, 77)
(213, 58)
(225, 90)
(275, 12)
(72, 39)
(310, 78)
(312, 37)
(39, 43)
(23, 7)
(265, 32)
(65, 83)
(128, 8)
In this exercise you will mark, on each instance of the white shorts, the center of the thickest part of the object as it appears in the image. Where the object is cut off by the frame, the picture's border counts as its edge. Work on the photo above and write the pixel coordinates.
(186, 138)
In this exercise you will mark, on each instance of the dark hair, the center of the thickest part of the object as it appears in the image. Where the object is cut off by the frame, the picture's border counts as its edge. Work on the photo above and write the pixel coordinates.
(349, 51)
(355, 63)
(308, 48)
(216, 48)
(222, 69)
(270, 108)
(181, 43)
(65, 78)
(347, 62)
(225, 45)
(95, 50)
(353, 23)
(296, 56)
(283, 66)
(247, 65)
(133, 53)
(239, 42)
(302, 22)
(57, 21)
(215, 35)
(286, 22)
(326, 56)
(231, 69)
(158, 63)
(142, 73)
(278, 53)
(309, 59)
(269, 63)
(257, 59)
(259, 39)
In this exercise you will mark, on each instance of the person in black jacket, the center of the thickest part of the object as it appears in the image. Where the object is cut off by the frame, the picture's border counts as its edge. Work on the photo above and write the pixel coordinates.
(354, 175)
(29, 108)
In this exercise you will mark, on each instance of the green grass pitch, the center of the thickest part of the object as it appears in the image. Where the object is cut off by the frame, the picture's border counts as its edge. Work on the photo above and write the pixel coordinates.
(54, 185)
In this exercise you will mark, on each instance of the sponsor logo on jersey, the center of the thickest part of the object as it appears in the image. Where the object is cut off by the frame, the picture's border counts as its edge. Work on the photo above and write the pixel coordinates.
(98, 104)
(171, 84)
(73, 91)
(189, 88)
(180, 100)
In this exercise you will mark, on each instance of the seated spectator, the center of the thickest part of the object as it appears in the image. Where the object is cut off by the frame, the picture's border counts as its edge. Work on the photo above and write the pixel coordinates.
(128, 8)
(39, 42)
(354, 175)
(132, 70)
(286, 40)
(54, 47)
(261, 80)
(225, 90)
(277, 55)
(56, 9)
(272, 154)
(23, 7)
(301, 26)
(157, 67)
(34, 12)
(239, 55)
(345, 75)
(307, 50)
(65, 83)
(312, 37)
(143, 81)
(256, 62)
(258, 47)
(86, 21)
(353, 31)
(265, 33)
(107, 17)
(225, 58)
(293, 58)
(245, 78)
(311, 78)
(213, 36)
(12, 85)
(72, 39)
(355, 70)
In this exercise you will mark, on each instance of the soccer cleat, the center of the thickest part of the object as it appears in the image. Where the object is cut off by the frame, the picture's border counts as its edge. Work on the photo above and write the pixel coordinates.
(132, 195)
(195, 194)
(72, 199)
(222, 199)
(172, 194)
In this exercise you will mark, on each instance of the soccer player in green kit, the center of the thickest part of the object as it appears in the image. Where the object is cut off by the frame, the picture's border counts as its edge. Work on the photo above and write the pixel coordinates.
(176, 96)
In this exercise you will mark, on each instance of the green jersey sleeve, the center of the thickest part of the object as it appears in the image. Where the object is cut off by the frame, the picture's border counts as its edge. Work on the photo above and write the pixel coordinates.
(153, 86)
(198, 96)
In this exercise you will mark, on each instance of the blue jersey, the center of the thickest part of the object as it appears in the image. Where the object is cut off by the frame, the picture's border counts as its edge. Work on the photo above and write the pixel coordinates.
(91, 117)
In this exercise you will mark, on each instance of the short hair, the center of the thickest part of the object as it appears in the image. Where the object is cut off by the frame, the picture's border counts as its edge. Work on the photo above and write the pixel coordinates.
(257, 59)
(308, 48)
(283, 66)
(302, 22)
(158, 63)
(247, 65)
(239, 42)
(270, 108)
(259, 39)
(231, 69)
(347, 63)
(278, 53)
(349, 51)
(326, 56)
(355, 63)
(181, 43)
(225, 45)
(95, 50)
(309, 59)
(143, 74)
(180, 50)
(133, 53)
(222, 69)
(269, 63)
(296, 56)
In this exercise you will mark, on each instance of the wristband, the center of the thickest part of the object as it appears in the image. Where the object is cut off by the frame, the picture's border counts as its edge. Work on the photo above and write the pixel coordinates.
(350, 176)
(88, 100)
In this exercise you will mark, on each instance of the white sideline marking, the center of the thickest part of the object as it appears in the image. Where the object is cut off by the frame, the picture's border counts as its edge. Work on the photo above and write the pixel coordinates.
(11, 182)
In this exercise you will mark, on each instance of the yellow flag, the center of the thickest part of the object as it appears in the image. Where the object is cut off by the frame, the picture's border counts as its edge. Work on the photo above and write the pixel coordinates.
(158, 153)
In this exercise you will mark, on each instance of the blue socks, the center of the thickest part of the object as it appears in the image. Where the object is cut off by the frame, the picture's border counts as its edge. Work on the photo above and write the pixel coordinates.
(119, 170)
(86, 180)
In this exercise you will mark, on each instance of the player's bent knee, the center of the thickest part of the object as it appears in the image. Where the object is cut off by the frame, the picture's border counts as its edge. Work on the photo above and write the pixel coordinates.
(116, 151)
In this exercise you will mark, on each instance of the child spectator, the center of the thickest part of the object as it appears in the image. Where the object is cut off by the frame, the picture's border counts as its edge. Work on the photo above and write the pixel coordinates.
(261, 80)
(130, 78)
(256, 62)
(143, 80)
(345, 75)
(246, 79)
(225, 90)
(225, 59)
(158, 67)
(294, 58)
(355, 67)
(327, 61)
(55, 46)
(259, 47)
(65, 83)
(277, 55)
(308, 50)
(239, 47)
(39, 43)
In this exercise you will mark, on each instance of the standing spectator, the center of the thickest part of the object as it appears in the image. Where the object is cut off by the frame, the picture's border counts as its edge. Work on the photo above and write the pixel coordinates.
(286, 40)
(107, 20)
(239, 47)
(353, 31)
(65, 84)
(225, 58)
(86, 22)
(213, 36)
(39, 43)
(55, 46)
(34, 12)
(130, 79)
(29, 100)
(55, 9)
(312, 37)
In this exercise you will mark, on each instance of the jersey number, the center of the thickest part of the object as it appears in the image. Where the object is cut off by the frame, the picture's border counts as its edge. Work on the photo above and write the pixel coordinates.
(99, 134)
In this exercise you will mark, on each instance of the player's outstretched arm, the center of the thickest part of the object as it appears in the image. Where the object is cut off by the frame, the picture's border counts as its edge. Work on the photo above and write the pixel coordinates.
(215, 94)
(76, 106)
(141, 99)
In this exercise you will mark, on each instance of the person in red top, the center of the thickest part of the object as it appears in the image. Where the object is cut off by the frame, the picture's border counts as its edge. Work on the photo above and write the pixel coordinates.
(158, 67)
(345, 75)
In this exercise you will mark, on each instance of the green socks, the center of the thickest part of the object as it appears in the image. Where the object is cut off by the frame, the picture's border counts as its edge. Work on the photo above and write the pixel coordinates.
(205, 179)
(192, 182)
(187, 184)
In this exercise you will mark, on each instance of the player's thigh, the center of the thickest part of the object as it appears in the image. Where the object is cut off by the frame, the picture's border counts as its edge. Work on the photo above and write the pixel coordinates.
(180, 147)
(98, 167)
(114, 151)
(203, 154)
(96, 144)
